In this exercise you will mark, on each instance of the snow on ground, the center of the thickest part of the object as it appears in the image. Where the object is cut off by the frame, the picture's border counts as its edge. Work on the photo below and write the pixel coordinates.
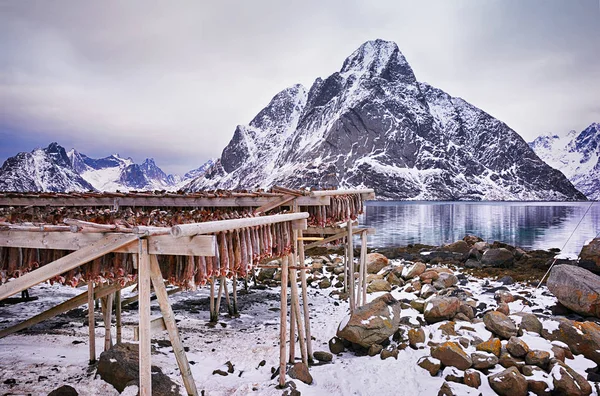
(55, 352)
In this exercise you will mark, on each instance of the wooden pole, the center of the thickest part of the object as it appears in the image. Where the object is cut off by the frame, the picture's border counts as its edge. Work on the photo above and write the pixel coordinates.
(292, 274)
(235, 306)
(345, 266)
(295, 308)
(107, 303)
(363, 264)
(118, 315)
(351, 267)
(91, 322)
(145, 363)
(212, 299)
(218, 305)
(283, 320)
(305, 298)
(227, 300)
(169, 319)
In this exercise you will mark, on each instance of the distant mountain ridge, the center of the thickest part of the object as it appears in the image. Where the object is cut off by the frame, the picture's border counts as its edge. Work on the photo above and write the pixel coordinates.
(372, 124)
(576, 154)
(54, 169)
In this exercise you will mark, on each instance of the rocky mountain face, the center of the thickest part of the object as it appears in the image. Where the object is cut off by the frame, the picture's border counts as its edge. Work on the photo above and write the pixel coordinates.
(577, 155)
(372, 124)
(47, 169)
(53, 169)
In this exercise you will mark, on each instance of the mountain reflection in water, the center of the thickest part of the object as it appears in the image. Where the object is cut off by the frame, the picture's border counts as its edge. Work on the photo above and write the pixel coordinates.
(531, 225)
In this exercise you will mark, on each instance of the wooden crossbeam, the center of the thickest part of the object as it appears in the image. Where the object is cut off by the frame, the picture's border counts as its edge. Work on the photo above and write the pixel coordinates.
(340, 235)
(81, 299)
(329, 193)
(275, 203)
(201, 245)
(97, 249)
(156, 326)
(208, 227)
(150, 201)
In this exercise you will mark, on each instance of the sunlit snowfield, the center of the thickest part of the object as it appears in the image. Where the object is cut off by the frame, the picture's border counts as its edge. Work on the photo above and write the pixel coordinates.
(531, 225)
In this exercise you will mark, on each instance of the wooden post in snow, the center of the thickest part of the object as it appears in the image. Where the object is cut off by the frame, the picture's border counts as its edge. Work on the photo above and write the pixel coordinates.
(107, 303)
(234, 287)
(212, 299)
(169, 319)
(292, 276)
(350, 267)
(305, 297)
(118, 315)
(91, 322)
(295, 309)
(144, 319)
(363, 264)
(283, 320)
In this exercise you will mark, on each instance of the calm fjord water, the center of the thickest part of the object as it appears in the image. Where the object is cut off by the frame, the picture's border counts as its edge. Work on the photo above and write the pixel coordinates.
(531, 225)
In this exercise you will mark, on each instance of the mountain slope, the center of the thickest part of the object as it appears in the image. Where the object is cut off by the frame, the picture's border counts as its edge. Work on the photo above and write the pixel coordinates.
(577, 155)
(373, 125)
(47, 169)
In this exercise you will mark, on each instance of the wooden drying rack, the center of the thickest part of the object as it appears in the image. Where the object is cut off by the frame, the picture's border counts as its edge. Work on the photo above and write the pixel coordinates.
(90, 241)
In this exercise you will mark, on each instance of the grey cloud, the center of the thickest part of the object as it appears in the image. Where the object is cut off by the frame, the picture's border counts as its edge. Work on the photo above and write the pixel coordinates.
(171, 80)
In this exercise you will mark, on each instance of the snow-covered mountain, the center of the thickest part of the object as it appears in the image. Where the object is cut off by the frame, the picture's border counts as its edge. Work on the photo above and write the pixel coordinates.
(53, 169)
(116, 173)
(577, 155)
(194, 173)
(47, 169)
(372, 124)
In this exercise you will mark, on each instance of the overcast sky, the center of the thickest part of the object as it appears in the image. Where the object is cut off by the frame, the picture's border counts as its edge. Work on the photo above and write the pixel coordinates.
(171, 80)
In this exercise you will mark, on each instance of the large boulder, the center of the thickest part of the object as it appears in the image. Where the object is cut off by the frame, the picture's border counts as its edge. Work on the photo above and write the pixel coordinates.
(375, 262)
(379, 285)
(445, 280)
(589, 258)
(581, 337)
(576, 288)
(517, 347)
(456, 247)
(500, 257)
(567, 382)
(451, 354)
(500, 324)
(373, 323)
(509, 382)
(441, 308)
(414, 270)
(119, 366)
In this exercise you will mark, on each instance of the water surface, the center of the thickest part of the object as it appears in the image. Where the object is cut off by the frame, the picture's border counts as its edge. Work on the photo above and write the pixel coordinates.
(531, 225)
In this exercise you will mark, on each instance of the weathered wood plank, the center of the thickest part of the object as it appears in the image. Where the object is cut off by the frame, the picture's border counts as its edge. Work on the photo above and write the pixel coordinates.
(200, 245)
(208, 227)
(150, 201)
(156, 326)
(169, 321)
(97, 249)
(329, 193)
(145, 360)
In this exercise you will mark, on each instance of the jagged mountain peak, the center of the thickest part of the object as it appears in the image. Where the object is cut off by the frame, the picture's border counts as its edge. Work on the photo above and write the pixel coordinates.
(378, 58)
(576, 154)
(373, 125)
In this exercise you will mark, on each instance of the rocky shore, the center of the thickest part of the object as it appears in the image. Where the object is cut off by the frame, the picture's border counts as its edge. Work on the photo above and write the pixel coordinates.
(473, 307)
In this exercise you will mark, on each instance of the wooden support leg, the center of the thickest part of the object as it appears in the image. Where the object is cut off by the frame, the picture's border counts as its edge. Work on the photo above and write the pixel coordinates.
(283, 320)
(169, 319)
(212, 300)
(235, 306)
(118, 315)
(345, 269)
(91, 322)
(305, 299)
(363, 261)
(350, 267)
(292, 358)
(218, 304)
(144, 319)
(297, 317)
(227, 300)
(107, 303)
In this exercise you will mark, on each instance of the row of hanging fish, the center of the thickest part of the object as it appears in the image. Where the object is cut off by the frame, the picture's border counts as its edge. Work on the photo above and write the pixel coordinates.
(128, 217)
(237, 253)
(341, 208)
